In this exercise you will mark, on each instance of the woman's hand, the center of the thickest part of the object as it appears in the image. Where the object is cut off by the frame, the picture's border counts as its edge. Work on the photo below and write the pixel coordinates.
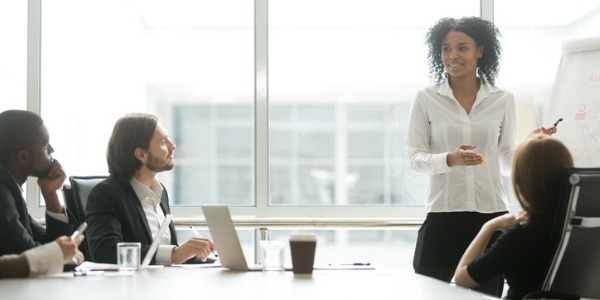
(541, 130)
(502, 222)
(464, 156)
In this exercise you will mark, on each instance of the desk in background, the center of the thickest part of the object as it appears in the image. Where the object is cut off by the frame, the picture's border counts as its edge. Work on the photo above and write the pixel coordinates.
(217, 283)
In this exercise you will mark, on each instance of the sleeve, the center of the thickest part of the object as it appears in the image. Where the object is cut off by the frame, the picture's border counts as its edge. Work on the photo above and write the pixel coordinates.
(421, 160)
(104, 229)
(14, 236)
(56, 227)
(13, 266)
(163, 254)
(507, 140)
(46, 259)
(63, 217)
(497, 259)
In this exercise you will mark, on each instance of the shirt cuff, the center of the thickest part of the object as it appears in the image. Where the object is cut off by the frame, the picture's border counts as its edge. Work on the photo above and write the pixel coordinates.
(440, 161)
(45, 259)
(59, 216)
(163, 254)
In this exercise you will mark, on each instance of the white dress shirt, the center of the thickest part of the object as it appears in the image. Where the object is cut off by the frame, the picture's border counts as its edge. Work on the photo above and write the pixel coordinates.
(63, 217)
(150, 199)
(438, 124)
(44, 259)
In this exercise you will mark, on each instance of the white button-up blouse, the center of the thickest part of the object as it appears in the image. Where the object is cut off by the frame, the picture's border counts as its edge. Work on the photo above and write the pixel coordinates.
(438, 124)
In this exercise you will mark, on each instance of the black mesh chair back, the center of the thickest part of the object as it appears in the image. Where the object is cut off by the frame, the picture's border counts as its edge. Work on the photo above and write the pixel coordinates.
(575, 268)
(75, 194)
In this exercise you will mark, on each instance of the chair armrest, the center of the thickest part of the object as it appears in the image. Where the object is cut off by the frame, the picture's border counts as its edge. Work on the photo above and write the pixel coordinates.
(547, 295)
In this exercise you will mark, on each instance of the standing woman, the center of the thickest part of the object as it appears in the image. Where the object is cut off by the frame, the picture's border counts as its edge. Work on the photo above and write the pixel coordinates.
(462, 132)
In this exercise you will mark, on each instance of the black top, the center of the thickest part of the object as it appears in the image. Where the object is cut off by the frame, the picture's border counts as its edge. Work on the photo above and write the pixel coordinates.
(522, 254)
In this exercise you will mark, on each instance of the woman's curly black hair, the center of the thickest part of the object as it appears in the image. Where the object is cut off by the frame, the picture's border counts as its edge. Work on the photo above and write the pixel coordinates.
(482, 31)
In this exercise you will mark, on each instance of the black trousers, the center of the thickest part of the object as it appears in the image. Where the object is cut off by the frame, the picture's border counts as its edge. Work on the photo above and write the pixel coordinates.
(442, 241)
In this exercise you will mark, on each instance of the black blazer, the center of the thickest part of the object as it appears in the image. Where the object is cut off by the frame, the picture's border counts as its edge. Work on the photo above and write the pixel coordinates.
(18, 230)
(114, 214)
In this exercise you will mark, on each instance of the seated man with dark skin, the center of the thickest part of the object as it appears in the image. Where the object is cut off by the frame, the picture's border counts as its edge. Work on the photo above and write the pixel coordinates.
(25, 151)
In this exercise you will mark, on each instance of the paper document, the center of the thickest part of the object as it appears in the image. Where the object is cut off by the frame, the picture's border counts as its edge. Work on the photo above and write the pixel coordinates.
(344, 266)
(216, 264)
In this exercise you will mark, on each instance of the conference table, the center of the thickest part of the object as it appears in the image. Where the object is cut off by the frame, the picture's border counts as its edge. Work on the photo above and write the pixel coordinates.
(179, 282)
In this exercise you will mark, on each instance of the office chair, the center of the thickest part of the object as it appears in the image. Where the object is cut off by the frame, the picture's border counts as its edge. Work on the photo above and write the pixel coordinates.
(75, 194)
(575, 268)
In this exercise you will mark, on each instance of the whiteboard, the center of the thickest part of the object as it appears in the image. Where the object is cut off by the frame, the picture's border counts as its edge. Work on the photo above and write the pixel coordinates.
(575, 97)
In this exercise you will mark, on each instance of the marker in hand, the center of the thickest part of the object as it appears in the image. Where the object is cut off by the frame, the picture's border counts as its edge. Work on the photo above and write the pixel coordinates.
(558, 121)
(552, 129)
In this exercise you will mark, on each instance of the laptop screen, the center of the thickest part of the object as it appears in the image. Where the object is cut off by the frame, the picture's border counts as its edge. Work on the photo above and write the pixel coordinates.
(154, 246)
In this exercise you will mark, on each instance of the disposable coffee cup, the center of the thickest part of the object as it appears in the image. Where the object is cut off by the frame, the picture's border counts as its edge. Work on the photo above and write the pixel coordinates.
(128, 256)
(302, 248)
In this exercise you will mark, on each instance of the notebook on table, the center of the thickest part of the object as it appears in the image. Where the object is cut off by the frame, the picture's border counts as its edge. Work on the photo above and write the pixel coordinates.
(227, 242)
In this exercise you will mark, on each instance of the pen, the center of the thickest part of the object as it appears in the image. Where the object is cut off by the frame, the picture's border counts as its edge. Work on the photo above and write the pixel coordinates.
(355, 264)
(87, 273)
(198, 235)
(195, 231)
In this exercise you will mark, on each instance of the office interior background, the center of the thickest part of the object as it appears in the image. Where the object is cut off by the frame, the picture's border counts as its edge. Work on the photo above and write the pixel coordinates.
(280, 109)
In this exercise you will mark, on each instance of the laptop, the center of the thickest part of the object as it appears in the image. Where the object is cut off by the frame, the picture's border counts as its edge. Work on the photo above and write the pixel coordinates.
(89, 268)
(154, 246)
(226, 239)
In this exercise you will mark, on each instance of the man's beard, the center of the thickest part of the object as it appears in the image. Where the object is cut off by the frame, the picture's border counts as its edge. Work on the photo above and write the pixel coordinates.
(158, 165)
(43, 173)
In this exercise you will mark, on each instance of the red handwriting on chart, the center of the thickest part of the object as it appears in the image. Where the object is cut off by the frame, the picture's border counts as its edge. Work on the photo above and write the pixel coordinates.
(589, 139)
(580, 115)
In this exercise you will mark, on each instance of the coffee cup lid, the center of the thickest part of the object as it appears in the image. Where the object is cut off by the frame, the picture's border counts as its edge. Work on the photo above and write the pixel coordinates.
(303, 237)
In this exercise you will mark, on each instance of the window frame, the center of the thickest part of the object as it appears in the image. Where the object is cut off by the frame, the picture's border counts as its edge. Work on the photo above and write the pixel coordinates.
(261, 136)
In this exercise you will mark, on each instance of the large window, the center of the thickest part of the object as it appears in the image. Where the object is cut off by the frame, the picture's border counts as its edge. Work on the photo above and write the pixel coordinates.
(532, 48)
(189, 62)
(338, 71)
(338, 77)
(335, 75)
(13, 54)
(341, 77)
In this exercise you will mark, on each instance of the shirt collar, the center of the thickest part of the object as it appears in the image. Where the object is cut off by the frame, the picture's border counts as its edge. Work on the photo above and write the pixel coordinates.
(485, 89)
(154, 192)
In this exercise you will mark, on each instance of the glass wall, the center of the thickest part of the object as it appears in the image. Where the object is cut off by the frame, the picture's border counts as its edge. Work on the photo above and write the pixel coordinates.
(532, 48)
(13, 54)
(333, 83)
(341, 76)
(189, 62)
(337, 71)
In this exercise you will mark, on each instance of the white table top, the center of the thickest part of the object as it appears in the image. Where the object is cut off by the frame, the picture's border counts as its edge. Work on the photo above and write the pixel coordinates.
(218, 283)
